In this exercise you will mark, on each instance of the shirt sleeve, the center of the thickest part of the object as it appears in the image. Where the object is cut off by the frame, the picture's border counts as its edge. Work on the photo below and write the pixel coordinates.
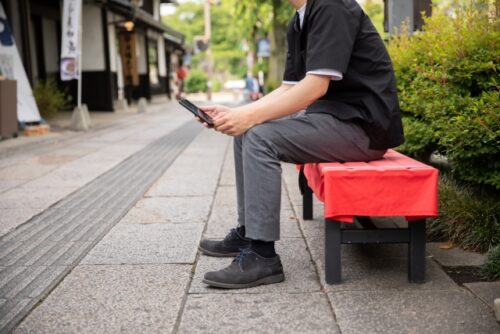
(334, 74)
(290, 74)
(331, 35)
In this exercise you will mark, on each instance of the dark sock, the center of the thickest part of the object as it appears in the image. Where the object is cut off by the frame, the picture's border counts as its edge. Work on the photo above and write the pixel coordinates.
(241, 230)
(263, 248)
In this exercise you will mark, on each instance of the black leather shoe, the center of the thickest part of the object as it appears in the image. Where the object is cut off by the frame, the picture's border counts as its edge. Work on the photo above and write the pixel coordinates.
(230, 246)
(247, 270)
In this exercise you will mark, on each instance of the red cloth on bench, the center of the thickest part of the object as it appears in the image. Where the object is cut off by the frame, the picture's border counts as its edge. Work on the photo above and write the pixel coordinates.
(394, 186)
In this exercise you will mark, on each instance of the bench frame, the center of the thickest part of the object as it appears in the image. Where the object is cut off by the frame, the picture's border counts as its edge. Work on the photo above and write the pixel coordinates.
(335, 236)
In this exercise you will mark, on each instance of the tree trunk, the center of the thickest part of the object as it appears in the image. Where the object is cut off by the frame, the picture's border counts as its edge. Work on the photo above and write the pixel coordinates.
(278, 45)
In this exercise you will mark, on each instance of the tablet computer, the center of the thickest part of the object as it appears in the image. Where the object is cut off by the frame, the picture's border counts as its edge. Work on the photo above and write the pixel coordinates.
(196, 111)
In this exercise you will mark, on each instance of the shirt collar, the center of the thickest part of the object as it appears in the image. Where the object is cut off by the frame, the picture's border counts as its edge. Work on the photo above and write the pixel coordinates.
(302, 11)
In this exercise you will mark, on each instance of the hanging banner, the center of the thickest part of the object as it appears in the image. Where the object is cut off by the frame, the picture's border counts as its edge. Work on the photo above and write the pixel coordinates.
(12, 68)
(70, 39)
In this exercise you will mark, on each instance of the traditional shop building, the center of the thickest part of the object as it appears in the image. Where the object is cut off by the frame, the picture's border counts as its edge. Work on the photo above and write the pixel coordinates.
(127, 51)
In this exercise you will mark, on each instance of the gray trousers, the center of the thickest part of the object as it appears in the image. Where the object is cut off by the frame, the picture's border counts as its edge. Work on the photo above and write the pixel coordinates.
(301, 138)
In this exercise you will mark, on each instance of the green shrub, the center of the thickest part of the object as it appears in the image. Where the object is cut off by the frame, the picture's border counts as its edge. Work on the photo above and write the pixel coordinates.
(491, 268)
(468, 219)
(196, 81)
(216, 85)
(448, 79)
(49, 99)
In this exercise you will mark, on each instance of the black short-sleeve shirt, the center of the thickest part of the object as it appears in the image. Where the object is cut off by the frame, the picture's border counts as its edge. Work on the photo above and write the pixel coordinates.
(337, 34)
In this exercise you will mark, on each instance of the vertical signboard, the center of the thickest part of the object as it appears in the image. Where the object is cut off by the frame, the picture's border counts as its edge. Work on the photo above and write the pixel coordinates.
(70, 39)
(12, 68)
(128, 54)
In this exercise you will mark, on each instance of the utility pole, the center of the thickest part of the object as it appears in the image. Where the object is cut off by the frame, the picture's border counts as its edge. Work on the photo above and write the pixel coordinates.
(208, 36)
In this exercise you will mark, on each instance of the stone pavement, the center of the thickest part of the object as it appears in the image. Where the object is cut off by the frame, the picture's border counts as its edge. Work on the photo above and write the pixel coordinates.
(143, 275)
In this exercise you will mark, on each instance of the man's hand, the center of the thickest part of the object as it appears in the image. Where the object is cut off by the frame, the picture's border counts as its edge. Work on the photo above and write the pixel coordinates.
(211, 111)
(214, 110)
(232, 122)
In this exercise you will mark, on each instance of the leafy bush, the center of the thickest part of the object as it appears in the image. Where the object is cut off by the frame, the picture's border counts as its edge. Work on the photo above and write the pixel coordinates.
(491, 268)
(468, 219)
(196, 81)
(448, 88)
(216, 85)
(49, 98)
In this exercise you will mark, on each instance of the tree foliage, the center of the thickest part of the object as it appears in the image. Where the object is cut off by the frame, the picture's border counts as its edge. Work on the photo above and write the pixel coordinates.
(226, 38)
(448, 87)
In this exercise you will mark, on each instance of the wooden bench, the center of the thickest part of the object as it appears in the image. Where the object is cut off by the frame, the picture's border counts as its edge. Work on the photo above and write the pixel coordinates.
(393, 186)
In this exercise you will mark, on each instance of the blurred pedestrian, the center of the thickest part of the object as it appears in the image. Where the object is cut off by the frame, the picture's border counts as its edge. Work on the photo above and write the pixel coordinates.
(181, 73)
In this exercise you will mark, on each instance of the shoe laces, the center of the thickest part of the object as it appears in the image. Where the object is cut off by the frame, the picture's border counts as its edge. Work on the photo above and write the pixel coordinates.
(233, 234)
(241, 257)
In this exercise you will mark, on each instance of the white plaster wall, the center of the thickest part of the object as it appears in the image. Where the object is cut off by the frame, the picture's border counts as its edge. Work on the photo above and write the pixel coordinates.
(141, 53)
(162, 63)
(50, 45)
(156, 9)
(113, 51)
(92, 46)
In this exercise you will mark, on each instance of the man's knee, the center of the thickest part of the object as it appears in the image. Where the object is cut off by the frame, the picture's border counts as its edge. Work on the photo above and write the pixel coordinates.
(259, 133)
(259, 138)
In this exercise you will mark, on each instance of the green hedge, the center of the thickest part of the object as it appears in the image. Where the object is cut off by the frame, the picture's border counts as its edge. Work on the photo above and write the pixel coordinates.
(49, 98)
(491, 268)
(196, 81)
(448, 88)
(466, 218)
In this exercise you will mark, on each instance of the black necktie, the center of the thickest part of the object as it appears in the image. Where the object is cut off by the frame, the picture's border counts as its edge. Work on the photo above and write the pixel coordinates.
(296, 24)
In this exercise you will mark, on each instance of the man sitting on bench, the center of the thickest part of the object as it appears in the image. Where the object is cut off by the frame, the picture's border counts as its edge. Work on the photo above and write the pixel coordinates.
(338, 68)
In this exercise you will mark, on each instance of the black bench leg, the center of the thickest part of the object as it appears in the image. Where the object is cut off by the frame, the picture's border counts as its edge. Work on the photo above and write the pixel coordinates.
(332, 252)
(416, 251)
(307, 200)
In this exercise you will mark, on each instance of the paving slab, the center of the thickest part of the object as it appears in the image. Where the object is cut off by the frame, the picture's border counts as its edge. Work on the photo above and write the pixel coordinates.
(258, 313)
(169, 209)
(486, 291)
(314, 227)
(364, 269)
(300, 274)
(454, 257)
(196, 171)
(26, 170)
(39, 197)
(228, 170)
(63, 177)
(385, 312)
(226, 196)
(74, 175)
(223, 218)
(228, 173)
(147, 243)
(8, 184)
(13, 217)
(184, 182)
(112, 299)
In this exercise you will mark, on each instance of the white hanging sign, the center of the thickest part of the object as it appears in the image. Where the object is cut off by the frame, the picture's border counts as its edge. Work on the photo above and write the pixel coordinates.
(12, 68)
(70, 39)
